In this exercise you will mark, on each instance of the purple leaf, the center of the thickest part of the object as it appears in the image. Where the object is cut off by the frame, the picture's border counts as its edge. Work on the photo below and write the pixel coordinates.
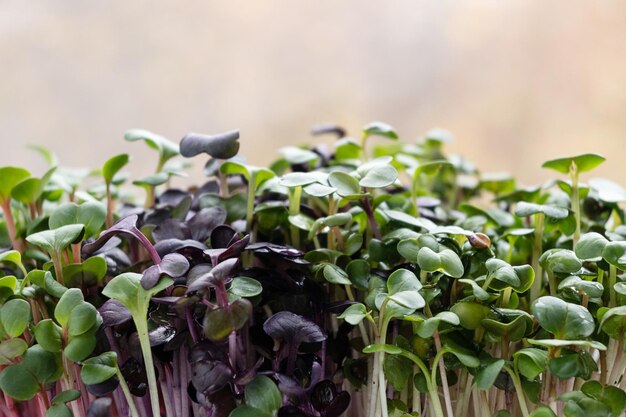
(286, 326)
(173, 265)
(113, 313)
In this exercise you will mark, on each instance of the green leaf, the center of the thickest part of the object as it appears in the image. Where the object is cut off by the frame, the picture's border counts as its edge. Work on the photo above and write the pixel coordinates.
(558, 343)
(245, 287)
(263, 394)
(359, 272)
(66, 397)
(46, 281)
(11, 176)
(222, 321)
(379, 129)
(113, 165)
(57, 239)
(378, 347)
(590, 246)
(18, 383)
(45, 366)
(592, 289)
(613, 322)
(70, 300)
(354, 314)
(29, 190)
(445, 261)
(49, 156)
(612, 396)
(397, 371)
(564, 320)
(13, 257)
(49, 335)
(379, 177)
(88, 273)
(296, 156)
(427, 328)
(247, 411)
(407, 219)
(126, 288)
(465, 356)
(403, 303)
(561, 261)
(531, 362)
(153, 180)
(486, 375)
(502, 271)
(163, 146)
(470, 314)
(514, 330)
(498, 182)
(99, 368)
(346, 184)
(542, 411)
(59, 410)
(14, 316)
(336, 275)
(477, 290)
(80, 347)
(402, 280)
(11, 349)
(525, 209)
(584, 162)
(82, 318)
(615, 254)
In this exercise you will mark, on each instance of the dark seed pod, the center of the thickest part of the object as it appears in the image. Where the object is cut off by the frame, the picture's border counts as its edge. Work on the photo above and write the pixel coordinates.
(479, 240)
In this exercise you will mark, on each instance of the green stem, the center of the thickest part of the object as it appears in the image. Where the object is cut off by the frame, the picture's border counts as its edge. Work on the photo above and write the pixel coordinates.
(438, 364)
(612, 281)
(519, 391)
(129, 398)
(535, 289)
(573, 172)
(58, 267)
(10, 222)
(382, 382)
(552, 282)
(488, 281)
(144, 341)
(110, 207)
(250, 206)
(295, 195)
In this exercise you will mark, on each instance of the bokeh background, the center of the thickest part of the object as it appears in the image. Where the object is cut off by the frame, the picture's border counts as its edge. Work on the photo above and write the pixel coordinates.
(515, 81)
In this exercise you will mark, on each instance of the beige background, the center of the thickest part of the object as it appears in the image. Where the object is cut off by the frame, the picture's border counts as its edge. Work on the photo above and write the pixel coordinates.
(516, 81)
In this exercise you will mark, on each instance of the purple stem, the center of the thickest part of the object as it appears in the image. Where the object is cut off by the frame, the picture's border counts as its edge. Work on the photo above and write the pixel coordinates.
(191, 324)
(146, 243)
(367, 207)
(184, 378)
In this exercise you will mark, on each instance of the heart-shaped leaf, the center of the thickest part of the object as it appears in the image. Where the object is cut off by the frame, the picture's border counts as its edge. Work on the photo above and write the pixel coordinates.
(583, 163)
(58, 239)
(525, 209)
(99, 368)
(11, 176)
(221, 146)
(163, 146)
(445, 261)
(14, 317)
(591, 246)
(263, 394)
(222, 321)
(113, 165)
(564, 320)
(379, 129)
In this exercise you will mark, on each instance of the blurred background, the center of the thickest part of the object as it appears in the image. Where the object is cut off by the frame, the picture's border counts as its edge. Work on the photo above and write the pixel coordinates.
(516, 82)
